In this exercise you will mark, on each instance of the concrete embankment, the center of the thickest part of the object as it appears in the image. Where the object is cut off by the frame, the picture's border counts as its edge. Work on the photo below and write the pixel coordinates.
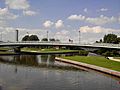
(97, 68)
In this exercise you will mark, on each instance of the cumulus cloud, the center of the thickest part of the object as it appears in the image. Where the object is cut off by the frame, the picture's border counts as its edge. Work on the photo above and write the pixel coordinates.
(96, 29)
(103, 9)
(59, 24)
(5, 14)
(86, 29)
(17, 4)
(48, 24)
(119, 19)
(85, 10)
(101, 20)
(62, 35)
(29, 13)
(76, 17)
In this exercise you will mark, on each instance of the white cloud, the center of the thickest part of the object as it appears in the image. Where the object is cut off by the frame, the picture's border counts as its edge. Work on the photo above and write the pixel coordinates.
(62, 36)
(17, 4)
(119, 19)
(96, 29)
(48, 24)
(101, 20)
(5, 14)
(59, 24)
(29, 13)
(103, 9)
(85, 10)
(76, 17)
(86, 29)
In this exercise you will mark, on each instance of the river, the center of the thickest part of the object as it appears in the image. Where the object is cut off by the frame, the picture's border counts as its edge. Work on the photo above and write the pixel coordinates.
(42, 72)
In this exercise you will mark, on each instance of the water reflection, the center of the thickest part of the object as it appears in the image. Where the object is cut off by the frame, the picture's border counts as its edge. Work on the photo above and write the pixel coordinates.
(24, 72)
(36, 61)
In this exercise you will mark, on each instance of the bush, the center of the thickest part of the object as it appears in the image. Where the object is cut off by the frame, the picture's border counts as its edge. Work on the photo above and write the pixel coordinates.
(83, 53)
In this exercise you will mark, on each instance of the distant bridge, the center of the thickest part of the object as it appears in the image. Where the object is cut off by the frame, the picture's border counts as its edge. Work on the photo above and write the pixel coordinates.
(36, 43)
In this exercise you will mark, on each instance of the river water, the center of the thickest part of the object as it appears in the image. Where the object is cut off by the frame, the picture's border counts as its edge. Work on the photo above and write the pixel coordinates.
(42, 72)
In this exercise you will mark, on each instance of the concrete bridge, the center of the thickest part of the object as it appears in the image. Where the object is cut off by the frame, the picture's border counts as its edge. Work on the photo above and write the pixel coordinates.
(59, 44)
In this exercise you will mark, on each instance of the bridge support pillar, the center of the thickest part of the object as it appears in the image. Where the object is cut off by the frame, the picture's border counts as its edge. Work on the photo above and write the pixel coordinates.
(17, 49)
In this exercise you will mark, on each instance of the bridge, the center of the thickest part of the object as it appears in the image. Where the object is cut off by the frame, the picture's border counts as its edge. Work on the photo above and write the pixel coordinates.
(59, 44)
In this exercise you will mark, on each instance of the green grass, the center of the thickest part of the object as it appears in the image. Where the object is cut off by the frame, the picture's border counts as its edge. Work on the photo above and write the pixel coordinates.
(98, 61)
(4, 48)
(6, 52)
(47, 50)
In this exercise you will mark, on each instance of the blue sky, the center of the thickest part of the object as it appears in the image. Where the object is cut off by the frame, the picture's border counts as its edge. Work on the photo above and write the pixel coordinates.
(63, 18)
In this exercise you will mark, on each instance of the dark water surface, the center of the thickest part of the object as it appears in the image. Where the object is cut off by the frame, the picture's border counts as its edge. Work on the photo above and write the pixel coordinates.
(42, 72)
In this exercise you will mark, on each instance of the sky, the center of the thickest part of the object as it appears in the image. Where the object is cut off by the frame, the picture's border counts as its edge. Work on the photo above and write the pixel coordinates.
(63, 19)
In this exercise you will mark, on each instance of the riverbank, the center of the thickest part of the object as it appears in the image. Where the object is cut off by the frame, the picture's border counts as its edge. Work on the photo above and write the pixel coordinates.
(47, 51)
(96, 63)
(114, 59)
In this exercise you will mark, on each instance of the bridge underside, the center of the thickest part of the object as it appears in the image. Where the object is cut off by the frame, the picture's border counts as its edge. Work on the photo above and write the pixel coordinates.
(17, 49)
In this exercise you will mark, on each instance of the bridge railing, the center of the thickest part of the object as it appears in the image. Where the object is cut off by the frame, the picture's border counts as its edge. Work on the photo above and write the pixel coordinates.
(50, 42)
(106, 44)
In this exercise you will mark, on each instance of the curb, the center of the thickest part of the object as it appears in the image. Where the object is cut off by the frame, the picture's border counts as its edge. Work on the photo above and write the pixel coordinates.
(93, 67)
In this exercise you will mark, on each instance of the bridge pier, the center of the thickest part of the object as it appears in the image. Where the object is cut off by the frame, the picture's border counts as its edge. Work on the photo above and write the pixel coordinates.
(17, 49)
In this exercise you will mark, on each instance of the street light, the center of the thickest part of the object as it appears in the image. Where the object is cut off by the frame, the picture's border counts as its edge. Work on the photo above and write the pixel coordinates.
(79, 36)
(17, 32)
(47, 34)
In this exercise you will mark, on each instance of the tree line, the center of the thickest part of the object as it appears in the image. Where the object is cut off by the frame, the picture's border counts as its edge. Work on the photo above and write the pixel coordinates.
(35, 38)
(110, 38)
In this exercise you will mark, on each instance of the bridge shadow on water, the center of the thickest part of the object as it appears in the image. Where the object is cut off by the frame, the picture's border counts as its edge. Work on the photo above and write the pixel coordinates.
(36, 61)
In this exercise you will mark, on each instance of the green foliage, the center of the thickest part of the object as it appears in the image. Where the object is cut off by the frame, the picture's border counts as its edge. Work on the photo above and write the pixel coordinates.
(106, 52)
(30, 38)
(44, 39)
(52, 40)
(25, 38)
(83, 53)
(33, 38)
(110, 38)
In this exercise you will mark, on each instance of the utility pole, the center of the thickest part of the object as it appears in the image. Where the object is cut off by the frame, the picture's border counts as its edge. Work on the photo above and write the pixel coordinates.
(17, 35)
(47, 34)
(79, 36)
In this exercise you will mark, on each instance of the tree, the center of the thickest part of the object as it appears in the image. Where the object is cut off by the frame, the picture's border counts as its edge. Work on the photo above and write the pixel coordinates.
(25, 38)
(57, 40)
(118, 40)
(33, 38)
(30, 38)
(100, 40)
(44, 39)
(110, 38)
(52, 39)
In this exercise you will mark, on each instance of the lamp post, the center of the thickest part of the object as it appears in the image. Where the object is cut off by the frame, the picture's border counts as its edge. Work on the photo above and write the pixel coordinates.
(17, 35)
(47, 34)
(79, 36)
(27, 33)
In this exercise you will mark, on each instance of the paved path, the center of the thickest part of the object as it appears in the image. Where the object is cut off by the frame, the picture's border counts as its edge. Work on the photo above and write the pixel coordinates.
(112, 58)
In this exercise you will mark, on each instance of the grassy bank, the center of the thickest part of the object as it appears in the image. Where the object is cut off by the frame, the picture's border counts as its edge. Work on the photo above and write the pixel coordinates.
(98, 61)
(4, 49)
(47, 50)
(1, 52)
